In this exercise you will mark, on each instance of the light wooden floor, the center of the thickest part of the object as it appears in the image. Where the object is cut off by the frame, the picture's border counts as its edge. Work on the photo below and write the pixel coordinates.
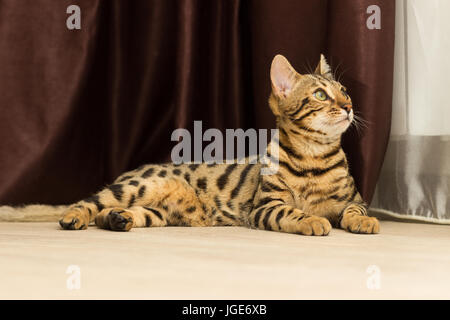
(224, 263)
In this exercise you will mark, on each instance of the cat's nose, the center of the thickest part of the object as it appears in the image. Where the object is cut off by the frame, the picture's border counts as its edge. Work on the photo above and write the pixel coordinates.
(347, 107)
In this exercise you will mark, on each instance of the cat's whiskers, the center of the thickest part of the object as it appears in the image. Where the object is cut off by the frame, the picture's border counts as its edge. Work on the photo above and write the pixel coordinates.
(359, 123)
(341, 75)
(309, 69)
(336, 70)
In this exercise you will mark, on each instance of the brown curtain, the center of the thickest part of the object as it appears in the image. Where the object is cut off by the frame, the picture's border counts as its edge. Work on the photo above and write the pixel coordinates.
(78, 107)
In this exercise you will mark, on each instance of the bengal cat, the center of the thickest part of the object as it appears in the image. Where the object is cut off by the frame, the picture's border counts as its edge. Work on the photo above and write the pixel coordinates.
(311, 190)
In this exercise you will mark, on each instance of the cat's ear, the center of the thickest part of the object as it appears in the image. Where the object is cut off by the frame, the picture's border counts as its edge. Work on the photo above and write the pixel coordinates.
(323, 68)
(283, 76)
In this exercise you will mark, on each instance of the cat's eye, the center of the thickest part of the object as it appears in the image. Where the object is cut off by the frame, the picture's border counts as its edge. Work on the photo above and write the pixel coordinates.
(320, 95)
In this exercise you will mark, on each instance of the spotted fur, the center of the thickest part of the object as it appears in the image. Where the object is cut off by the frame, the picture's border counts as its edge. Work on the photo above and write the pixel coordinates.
(311, 190)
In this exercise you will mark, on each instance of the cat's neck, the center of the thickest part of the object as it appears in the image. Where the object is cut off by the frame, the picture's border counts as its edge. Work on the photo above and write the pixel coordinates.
(308, 144)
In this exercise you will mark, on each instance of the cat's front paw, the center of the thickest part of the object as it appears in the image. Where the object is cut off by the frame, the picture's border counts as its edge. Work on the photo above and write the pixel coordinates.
(75, 219)
(314, 226)
(361, 224)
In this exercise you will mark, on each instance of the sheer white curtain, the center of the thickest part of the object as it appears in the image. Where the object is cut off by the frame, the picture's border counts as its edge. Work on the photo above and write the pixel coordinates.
(415, 178)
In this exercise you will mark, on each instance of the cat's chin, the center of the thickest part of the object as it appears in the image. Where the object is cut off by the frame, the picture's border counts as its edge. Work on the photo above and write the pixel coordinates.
(343, 124)
(337, 127)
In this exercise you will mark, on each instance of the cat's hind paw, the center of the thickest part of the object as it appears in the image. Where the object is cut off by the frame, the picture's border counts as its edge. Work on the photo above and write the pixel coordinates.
(116, 219)
(75, 219)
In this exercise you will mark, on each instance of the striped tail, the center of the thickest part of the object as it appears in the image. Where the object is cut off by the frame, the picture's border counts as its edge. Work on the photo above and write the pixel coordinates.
(31, 213)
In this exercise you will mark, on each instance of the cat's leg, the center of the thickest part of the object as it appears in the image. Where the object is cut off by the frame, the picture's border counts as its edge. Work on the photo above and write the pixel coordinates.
(79, 215)
(166, 201)
(123, 219)
(163, 190)
(277, 216)
(354, 219)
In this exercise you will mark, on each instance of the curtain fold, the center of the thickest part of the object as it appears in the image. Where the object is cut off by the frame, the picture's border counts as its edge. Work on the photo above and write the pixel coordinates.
(366, 60)
(81, 106)
(415, 179)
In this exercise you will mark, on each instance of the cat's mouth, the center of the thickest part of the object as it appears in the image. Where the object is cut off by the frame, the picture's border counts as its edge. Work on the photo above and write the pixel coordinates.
(347, 120)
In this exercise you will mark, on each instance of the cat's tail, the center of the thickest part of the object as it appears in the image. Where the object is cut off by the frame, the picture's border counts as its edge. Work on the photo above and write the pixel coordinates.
(31, 213)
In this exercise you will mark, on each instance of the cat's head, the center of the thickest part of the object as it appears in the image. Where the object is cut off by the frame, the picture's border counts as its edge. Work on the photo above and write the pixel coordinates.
(315, 103)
